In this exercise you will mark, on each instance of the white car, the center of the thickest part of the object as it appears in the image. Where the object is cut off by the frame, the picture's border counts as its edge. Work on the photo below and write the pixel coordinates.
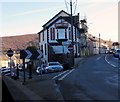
(4, 68)
(54, 66)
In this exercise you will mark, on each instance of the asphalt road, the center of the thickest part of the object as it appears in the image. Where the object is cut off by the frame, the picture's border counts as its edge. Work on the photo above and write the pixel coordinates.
(95, 79)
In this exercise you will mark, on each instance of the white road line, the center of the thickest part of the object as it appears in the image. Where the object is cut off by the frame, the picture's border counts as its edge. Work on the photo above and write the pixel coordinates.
(66, 74)
(98, 58)
(59, 74)
(109, 62)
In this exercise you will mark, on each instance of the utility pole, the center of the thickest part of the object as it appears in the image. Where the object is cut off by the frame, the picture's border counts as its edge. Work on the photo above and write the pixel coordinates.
(99, 43)
(72, 32)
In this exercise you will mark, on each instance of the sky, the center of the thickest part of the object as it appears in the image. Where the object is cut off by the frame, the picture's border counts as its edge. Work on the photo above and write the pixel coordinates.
(28, 16)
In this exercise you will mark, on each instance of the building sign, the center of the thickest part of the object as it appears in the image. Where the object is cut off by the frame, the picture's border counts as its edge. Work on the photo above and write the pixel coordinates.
(61, 25)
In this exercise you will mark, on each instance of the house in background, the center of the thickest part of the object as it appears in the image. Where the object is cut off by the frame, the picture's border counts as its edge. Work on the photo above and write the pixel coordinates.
(56, 38)
(84, 50)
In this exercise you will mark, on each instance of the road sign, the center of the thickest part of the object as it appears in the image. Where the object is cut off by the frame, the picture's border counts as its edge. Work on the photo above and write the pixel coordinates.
(37, 54)
(10, 53)
(70, 47)
(25, 54)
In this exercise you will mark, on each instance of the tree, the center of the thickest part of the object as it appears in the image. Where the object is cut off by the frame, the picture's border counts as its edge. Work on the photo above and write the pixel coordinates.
(32, 49)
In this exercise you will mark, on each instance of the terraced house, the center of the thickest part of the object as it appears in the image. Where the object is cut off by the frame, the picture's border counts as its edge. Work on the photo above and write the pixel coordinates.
(56, 38)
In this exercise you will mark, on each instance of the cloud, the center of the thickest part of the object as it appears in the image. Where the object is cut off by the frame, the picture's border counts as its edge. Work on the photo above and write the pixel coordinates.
(36, 11)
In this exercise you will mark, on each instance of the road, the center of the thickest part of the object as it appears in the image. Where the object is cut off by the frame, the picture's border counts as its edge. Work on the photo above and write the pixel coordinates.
(95, 79)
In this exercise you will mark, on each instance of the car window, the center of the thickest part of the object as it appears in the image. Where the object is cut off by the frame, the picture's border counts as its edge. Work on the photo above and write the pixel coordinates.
(51, 64)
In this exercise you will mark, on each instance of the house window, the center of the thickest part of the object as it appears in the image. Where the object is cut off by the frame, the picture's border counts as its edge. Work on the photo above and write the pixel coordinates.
(70, 34)
(65, 33)
(43, 36)
(52, 33)
(45, 49)
(61, 33)
(41, 48)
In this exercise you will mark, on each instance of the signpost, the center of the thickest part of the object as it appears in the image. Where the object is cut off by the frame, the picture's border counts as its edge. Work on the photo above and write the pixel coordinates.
(26, 54)
(10, 54)
(37, 54)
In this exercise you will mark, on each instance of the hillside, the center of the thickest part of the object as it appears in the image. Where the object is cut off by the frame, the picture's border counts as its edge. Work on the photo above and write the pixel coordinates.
(22, 41)
(19, 42)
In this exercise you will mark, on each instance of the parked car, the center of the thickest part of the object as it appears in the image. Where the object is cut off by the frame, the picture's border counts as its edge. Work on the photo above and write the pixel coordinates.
(42, 69)
(110, 51)
(7, 72)
(54, 66)
(116, 54)
(107, 52)
(3, 68)
(113, 50)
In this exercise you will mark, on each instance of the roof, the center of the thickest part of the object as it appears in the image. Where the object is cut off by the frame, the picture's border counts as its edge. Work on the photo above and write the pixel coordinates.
(62, 11)
(66, 18)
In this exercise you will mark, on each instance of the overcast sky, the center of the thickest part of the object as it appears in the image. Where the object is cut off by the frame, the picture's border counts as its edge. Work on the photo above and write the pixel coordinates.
(28, 16)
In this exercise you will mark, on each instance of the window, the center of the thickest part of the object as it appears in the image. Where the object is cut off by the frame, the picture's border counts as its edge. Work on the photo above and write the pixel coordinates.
(45, 49)
(41, 48)
(70, 35)
(43, 36)
(65, 33)
(61, 33)
(52, 33)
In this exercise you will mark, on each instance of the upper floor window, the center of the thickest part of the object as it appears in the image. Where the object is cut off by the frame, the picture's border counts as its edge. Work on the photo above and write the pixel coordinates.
(52, 33)
(43, 36)
(70, 34)
(61, 33)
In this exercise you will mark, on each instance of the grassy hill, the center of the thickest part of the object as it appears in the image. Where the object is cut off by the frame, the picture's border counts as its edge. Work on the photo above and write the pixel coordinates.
(19, 42)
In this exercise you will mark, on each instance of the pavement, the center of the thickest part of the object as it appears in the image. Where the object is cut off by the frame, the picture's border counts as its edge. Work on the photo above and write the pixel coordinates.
(37, 88)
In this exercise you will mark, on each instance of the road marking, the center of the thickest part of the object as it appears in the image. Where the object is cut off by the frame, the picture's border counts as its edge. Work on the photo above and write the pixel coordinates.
(59, 74)
(66, 74)
(109, 62)
(98, 58)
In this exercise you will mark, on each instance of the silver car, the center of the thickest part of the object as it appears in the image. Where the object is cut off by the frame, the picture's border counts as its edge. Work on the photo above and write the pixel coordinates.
(54, 66)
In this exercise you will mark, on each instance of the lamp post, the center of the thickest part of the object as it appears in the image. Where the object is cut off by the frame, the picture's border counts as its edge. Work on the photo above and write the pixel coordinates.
(72, 32)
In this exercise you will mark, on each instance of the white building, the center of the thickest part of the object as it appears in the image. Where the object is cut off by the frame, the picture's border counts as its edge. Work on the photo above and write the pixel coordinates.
(56, 36)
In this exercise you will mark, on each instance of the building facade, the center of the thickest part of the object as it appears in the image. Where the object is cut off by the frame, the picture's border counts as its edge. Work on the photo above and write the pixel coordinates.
(56, 40)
